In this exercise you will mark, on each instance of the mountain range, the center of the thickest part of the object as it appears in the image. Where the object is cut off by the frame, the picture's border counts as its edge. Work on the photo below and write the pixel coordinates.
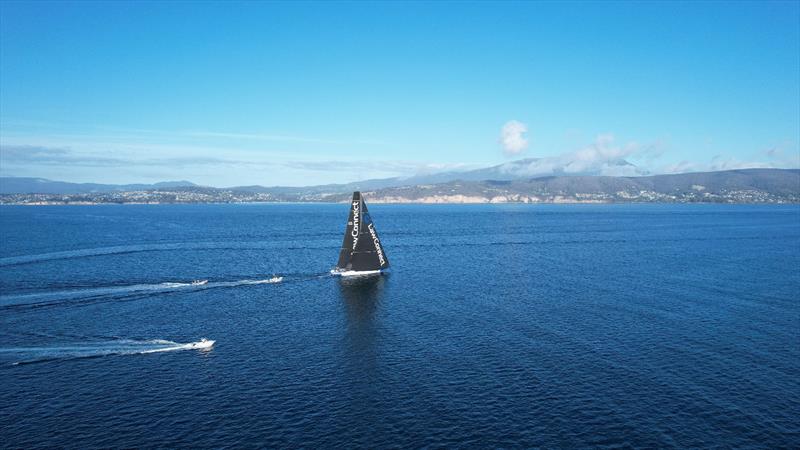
(510, 182)
(514, 170)
(23, 185)
(730, 186)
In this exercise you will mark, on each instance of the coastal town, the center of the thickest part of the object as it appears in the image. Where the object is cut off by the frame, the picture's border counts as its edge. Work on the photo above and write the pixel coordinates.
(191, 195)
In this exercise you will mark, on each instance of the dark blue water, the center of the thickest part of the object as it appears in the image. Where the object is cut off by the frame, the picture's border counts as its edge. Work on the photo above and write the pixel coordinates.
(499, 326)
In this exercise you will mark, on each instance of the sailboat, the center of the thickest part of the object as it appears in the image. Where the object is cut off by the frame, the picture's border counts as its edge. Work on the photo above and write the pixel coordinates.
(361, 253)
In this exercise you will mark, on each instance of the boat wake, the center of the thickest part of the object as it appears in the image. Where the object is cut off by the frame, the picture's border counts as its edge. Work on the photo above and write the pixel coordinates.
(79, 350)
(272, 280)
(105, 293)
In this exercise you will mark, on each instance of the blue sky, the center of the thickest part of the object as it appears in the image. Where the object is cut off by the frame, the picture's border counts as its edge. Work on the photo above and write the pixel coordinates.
(308, 93)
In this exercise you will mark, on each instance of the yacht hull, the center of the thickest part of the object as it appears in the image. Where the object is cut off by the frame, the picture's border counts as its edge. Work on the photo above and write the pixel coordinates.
(355, 273)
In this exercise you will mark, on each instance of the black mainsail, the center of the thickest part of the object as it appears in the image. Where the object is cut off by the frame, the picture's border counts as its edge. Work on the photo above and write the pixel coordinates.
(361, 248)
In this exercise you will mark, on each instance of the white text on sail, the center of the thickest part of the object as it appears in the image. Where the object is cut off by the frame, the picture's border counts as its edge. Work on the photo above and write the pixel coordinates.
(354, 233)
(377, 244)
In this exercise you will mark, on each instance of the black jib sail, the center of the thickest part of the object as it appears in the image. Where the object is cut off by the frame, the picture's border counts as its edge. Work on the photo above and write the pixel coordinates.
(361, 248)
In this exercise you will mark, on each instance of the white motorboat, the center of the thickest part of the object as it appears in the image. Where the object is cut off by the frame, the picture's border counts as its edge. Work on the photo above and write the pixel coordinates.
(202, 344)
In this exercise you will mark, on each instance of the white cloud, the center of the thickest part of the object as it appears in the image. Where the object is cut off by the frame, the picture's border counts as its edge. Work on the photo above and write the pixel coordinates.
(512, 137)
(36, 159)
(602, 157)
(373, 167)
(681, 167)
(720, 162)
(602, 152)
(606, 157)
(783, 155)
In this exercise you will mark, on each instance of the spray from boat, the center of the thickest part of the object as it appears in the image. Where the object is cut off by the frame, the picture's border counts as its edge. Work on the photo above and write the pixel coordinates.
(104, 293)
(81, 350)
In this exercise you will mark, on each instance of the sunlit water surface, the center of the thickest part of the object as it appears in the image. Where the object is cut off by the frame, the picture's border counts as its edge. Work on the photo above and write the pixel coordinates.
(498, 326)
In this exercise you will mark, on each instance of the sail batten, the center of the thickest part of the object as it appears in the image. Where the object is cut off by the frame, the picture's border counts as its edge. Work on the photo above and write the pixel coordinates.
(361, 247)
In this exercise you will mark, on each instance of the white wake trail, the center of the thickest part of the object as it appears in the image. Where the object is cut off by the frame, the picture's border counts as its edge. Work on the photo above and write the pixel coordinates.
(110, 292)
(78, 350)
(272, 280)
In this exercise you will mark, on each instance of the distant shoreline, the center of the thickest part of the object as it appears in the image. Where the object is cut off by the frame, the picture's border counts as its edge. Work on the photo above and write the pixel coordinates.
(379, 202)
(746, 186)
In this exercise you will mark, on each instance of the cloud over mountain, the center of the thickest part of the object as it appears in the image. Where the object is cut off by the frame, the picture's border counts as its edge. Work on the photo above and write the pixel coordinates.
(602, 157)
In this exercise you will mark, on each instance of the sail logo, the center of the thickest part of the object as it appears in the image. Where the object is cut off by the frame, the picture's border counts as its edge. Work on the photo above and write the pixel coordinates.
(377, 244)
(354, 233)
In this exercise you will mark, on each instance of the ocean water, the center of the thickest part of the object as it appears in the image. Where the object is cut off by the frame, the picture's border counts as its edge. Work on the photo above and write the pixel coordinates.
(499, 326)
